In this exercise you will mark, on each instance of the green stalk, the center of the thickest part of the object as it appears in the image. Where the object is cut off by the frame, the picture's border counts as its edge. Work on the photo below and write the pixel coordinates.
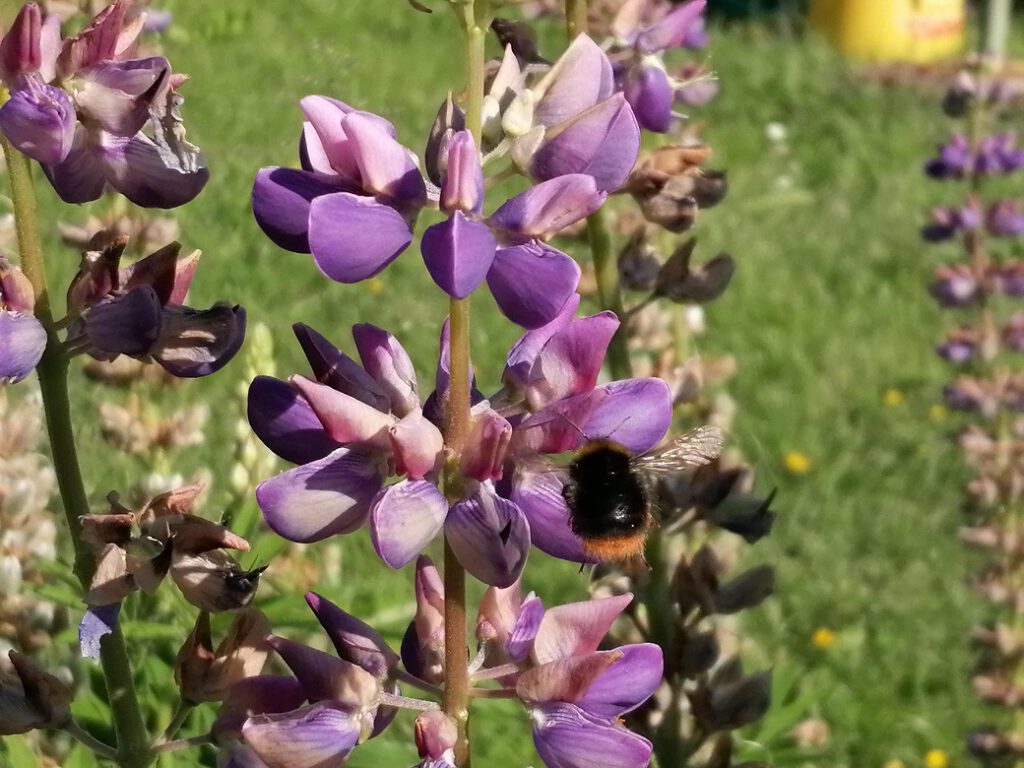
(606, 269)
(997, 29)
(576, 17)
(474, 21)
(132, 739)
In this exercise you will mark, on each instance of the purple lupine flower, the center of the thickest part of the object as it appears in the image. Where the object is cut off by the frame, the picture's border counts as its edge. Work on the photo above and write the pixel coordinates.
(22, 337)
(465, 249)
(1005, 219)
(79, 109)
(355, 200)
(955, 285)
(1008, 279)
(947, 223)
(138, 311)
(349, 429)
(645, 30)
(551, 377)
(959, 346)
(995, 155)
(356, 426)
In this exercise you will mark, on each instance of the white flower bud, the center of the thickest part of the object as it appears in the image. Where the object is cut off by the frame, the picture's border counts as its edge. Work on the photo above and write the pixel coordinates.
(518, 118)
(10, 575)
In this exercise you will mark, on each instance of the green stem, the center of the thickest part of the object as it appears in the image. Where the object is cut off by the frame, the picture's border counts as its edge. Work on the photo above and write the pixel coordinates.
(132, 739)
(474, 18)
(82, 736)
(997, 29)
(575, 17)
(606, 272)
(181, 713)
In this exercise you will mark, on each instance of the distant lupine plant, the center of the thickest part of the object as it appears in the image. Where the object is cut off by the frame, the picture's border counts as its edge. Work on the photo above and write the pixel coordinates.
(556, 458)
(982, 292)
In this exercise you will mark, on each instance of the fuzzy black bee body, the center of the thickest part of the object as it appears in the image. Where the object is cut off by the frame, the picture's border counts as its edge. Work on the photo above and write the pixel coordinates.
(609, 492)
(608, 501)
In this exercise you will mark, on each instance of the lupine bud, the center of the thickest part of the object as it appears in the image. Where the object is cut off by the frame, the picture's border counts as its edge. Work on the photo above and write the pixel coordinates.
(436, 734)
(32, 699)
(203, 674)
(742, 702)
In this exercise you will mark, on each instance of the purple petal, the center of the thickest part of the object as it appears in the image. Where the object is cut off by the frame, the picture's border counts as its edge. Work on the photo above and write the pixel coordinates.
(280, 202)
(636, 413)
(490, 537)
(319, 736)
(650, 94)
(458, 253)
(575, 629)
(337, 370)
(352, 238)
(463, 186)
(137, 169)
(540, 497)
(322, 498)
(569, 363)
(354, 640)
(557, 428)
(259, 695)
(285, 423)
(567, 737)
(81, 177)
(39, 120)
(125, 325)
(520, 640)
(196, 343)
(326, 677)
(238, 755)
(627, 683)
(519, 360)
(549, 207)
(385, 166)
(580, 78)
(672, 30)
(531, 283)
(22, 342)
(117, 95)
(98, 622)
(602, 142)
(390, 366)
(405, 517)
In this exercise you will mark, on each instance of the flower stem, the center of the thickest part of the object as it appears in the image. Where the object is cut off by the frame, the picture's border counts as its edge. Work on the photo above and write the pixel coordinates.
(82, 736)
(474, 18)
(575, 17)
(606, 270)
(132, 739)
(181, 713)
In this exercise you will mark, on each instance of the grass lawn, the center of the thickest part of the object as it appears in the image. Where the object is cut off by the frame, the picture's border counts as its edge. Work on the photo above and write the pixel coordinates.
(827, 313)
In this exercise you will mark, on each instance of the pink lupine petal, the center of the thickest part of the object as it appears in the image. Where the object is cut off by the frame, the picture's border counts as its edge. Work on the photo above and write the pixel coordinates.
(577, 628)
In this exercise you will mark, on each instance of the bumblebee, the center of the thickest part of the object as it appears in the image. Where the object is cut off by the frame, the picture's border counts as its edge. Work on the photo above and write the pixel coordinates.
(610, 491)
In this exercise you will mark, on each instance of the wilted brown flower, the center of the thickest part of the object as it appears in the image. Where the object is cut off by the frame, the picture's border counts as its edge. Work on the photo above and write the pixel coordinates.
(205, 674)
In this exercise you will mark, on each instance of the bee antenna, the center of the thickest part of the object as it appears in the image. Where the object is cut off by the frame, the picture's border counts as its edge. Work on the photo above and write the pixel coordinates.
(575, 426)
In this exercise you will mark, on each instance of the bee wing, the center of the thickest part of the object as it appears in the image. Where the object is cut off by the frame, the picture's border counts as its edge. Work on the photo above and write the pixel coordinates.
(694, 449)
(538, 464)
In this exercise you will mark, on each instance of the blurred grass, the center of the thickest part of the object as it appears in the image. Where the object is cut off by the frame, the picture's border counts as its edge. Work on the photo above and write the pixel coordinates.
(827, 313)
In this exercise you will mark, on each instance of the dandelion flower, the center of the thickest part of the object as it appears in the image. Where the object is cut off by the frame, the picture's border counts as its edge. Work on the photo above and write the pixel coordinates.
(823, 637)
(938, 412)
(893, 397)
(797, 463)
(936, 758)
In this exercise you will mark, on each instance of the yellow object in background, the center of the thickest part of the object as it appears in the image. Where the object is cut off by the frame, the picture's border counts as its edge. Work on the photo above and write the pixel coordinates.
(892, 30)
